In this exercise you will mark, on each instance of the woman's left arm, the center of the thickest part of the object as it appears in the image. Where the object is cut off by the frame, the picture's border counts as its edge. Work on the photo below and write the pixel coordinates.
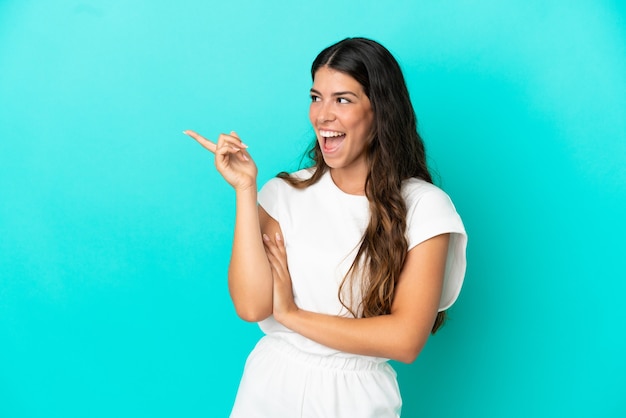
(400, 335)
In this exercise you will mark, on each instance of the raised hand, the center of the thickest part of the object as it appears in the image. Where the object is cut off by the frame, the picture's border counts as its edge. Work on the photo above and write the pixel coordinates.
(283, 301)
(232, 159)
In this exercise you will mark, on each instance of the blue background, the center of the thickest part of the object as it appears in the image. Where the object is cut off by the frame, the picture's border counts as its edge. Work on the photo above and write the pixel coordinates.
(115, 228)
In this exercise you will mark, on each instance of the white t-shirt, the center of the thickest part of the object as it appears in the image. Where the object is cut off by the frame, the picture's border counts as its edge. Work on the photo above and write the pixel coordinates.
(322, 229)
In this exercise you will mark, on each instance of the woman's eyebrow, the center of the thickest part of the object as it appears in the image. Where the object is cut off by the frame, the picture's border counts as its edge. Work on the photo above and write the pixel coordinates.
(339, 93)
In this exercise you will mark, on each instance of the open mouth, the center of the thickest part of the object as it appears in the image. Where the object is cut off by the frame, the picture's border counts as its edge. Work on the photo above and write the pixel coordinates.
(332, 140)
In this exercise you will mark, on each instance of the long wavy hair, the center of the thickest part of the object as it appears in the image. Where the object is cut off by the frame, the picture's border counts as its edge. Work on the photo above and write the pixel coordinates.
(395, 154)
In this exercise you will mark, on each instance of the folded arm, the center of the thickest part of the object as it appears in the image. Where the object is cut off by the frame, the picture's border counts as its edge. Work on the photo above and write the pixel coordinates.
(400, 335)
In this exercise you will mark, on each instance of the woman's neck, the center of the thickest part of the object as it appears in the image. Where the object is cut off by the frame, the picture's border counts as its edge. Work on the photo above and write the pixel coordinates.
(350, 181)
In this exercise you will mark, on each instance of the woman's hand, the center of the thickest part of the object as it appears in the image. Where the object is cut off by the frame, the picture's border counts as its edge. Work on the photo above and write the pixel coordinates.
(231, 159)
(283, 301)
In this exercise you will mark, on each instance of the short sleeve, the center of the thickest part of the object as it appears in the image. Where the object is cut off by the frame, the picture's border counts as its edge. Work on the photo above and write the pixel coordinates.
(268, 197)
(276, 193)
(432, 213)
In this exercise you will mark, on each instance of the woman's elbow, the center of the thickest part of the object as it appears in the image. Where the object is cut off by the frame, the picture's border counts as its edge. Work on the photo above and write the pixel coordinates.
(406, 357)
(251, 306)
(407, 353)
(249, 314)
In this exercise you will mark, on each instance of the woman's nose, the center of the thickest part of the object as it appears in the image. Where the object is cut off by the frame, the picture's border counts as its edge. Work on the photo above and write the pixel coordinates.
(326, 113)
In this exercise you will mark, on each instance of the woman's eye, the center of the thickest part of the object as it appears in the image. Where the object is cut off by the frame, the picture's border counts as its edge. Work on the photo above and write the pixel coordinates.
(315, 98)
(342, 100)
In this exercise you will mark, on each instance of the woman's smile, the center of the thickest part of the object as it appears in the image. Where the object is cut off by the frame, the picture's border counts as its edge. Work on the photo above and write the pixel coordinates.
(332, 140)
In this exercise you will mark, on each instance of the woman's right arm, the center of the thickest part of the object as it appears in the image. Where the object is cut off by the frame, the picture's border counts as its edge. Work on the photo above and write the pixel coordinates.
(249, 273)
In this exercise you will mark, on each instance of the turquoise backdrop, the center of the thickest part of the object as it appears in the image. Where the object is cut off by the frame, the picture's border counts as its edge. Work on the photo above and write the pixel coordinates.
(115, 228)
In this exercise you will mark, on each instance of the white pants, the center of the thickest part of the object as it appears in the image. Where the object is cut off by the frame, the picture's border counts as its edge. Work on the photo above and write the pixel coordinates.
(280, 381)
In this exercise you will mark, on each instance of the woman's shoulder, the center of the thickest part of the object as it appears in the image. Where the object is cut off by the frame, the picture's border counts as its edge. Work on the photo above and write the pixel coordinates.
(279, 183)
(416, 191)
(303, 174)
(414, 186)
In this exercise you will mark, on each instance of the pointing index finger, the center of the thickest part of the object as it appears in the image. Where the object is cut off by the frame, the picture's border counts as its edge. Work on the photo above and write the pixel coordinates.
(201, 140)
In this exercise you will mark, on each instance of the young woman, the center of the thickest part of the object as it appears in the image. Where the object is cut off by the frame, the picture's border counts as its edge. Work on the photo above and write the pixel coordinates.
(348, 263)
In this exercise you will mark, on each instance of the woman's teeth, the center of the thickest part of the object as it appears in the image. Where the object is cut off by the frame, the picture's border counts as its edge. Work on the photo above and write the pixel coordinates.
(330, 134)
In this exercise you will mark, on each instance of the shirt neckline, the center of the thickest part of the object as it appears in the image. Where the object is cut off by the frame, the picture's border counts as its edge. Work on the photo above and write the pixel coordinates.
(329, 179)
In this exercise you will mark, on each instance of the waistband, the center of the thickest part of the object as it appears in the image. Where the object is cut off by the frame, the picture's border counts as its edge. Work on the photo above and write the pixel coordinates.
(342, 361)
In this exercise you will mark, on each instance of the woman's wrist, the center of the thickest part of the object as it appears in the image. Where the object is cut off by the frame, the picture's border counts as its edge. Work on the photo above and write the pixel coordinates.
(246, 190)
(289, 318)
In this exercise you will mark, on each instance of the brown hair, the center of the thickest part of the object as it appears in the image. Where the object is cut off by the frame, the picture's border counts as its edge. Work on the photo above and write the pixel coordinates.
(395, 154)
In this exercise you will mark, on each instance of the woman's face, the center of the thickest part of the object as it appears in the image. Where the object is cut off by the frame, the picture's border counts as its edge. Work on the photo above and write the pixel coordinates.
(342, 117)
